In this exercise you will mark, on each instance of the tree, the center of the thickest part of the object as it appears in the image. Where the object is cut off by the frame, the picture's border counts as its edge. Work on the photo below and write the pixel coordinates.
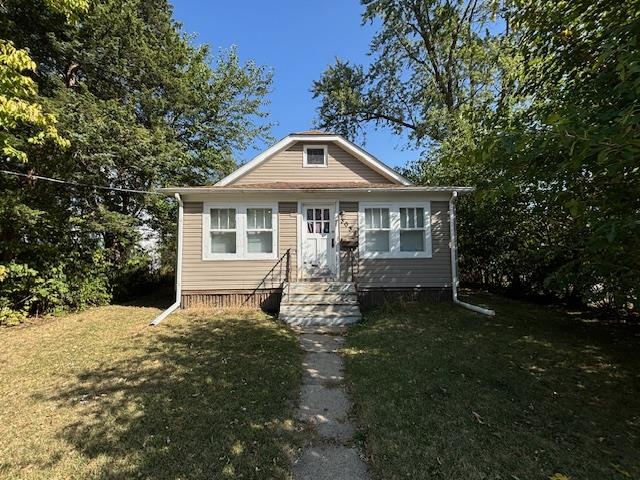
(582, 140)
(436, 63)
(550, 143)
(141, 107)
(22, 116)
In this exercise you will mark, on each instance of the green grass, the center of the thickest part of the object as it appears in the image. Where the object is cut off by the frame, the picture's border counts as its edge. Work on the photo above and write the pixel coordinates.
(102, 395)
(441, 392)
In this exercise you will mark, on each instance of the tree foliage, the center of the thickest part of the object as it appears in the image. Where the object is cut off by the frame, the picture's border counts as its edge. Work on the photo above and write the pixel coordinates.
(19, 106)
(138, 106)
(435, 63)
(551, 143)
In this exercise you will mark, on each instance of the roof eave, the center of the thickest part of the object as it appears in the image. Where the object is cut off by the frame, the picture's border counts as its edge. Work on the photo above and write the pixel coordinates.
(229, 190)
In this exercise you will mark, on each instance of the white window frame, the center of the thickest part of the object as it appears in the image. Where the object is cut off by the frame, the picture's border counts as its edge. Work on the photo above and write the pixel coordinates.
(364, 228)
(394, 233)
(414, 229)
(206, 229)
(241, 232)
(274, 219)
(304, 156)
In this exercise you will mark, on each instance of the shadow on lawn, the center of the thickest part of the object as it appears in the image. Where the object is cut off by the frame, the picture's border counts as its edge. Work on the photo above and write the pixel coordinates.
(525, 394)
(162, 297)
(200, 399)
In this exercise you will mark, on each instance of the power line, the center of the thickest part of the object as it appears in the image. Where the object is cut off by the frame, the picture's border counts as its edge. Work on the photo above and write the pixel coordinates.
(77, 184)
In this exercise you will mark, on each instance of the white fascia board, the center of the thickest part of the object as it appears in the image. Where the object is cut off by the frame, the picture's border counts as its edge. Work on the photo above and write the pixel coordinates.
(356, 151)
(239, 190)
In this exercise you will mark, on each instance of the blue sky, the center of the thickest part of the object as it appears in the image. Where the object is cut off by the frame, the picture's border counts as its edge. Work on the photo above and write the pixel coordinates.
(297, 40)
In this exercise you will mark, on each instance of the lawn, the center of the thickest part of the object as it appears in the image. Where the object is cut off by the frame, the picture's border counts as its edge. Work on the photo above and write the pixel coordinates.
(102, 395)
(533, 393)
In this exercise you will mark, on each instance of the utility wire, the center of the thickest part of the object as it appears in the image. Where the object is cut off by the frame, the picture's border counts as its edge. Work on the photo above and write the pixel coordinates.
(77, 184)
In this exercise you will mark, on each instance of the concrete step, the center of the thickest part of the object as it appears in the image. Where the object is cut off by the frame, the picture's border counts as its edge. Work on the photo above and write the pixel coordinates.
(304, 321)
(320, 298)
(319, 310)
(317, 304)
(323, 303)
(320, 287)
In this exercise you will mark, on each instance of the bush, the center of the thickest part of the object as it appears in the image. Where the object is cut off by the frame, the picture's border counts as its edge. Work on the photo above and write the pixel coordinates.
(26, 291)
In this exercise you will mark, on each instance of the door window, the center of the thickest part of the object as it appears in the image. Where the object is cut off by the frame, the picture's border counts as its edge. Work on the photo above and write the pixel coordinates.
(318, 220)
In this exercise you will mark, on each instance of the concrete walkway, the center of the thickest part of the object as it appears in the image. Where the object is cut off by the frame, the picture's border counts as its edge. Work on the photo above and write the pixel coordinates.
(324, 406)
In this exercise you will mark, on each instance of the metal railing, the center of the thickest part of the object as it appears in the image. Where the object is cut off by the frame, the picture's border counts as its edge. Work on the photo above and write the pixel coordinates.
(279, 274)
(352, 260)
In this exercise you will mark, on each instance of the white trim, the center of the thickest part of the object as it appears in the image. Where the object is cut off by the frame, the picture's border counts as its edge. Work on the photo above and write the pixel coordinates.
(241, 232)
(352, 148)
(299, 242)
(305, 161)
(336, 239)
(394, 230)
(216, 189)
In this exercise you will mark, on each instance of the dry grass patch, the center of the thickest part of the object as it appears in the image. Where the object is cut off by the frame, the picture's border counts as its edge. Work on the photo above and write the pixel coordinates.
(102, 395)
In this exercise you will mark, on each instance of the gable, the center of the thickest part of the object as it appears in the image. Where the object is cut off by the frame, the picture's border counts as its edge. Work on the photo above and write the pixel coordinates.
(287, 166)
(284, 162)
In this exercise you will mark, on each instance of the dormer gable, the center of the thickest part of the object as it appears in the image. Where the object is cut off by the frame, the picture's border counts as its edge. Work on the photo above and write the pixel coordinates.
(312, 157)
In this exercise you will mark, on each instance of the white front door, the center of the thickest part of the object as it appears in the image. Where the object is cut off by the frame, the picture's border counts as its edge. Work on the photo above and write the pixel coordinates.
(318, 241)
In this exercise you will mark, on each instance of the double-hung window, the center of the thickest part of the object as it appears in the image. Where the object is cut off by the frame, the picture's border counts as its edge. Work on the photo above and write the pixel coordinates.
(259, 230)
(395, 230)
(412, 234)
(222, 231)
(239, 232)
(377, 229)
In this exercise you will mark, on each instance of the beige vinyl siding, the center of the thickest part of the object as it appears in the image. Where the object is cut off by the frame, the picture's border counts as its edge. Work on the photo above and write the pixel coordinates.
(348, 225)
(349, 220)
(286, 166)
(288, 232)
(406, 272)
(198, 274)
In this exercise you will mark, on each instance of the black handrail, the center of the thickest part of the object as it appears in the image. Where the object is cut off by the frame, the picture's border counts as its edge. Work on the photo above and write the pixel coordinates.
(353, 263)
(279, 264)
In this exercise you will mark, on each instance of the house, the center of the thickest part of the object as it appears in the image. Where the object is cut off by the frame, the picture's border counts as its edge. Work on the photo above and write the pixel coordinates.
(317, 214)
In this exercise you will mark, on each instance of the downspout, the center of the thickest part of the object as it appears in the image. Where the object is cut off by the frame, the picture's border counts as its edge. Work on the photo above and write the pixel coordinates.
(454, 261)
(176, 305)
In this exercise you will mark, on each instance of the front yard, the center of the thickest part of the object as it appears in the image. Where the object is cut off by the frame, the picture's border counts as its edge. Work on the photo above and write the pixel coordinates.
(441, 392)
(102, 395)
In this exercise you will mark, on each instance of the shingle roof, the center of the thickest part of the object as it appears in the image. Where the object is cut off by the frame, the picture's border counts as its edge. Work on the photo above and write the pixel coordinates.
(312, 132)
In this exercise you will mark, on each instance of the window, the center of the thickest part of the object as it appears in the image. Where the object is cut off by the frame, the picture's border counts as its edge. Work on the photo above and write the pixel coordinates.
(395, 230)
(259, 230)
(376, 229)
(318, 220)
(411, 229)
(223, 230)
(239, 232)
(314, 156)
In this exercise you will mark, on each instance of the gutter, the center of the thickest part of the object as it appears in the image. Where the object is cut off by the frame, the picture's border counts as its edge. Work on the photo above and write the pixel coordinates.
(454, 261)
(176, 304)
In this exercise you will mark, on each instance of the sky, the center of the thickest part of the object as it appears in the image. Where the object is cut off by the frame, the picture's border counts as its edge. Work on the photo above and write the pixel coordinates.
(297, 40)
